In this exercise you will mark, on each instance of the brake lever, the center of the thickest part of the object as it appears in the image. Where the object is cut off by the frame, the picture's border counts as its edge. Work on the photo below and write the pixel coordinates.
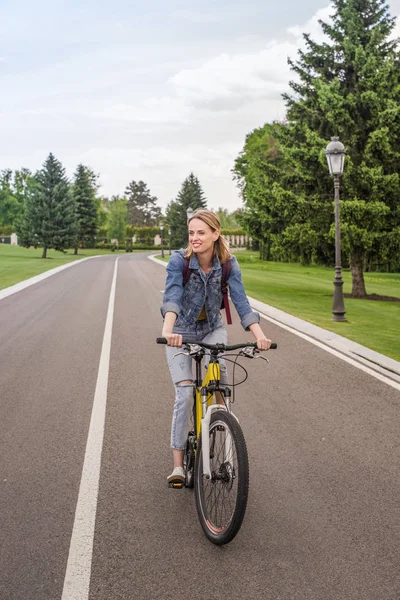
(263, 357)
(179, 353)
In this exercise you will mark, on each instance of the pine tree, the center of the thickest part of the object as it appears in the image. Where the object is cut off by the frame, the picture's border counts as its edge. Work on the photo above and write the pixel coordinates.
(84, 193)
(190, 195)
(49, 213)
(349, 86)
(142, 209)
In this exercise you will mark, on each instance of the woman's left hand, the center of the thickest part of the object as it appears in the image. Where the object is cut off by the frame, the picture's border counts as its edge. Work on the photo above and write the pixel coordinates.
(263, 343)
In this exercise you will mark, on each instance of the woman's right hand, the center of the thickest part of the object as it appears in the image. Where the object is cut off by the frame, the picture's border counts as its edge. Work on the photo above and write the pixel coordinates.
(173, 339)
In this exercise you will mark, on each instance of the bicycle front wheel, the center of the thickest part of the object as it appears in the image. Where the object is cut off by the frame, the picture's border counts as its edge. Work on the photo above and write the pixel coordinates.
(221, 501)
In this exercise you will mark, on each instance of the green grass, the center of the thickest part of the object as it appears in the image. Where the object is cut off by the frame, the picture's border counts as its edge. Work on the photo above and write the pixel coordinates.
(307, 293)
(18, 264)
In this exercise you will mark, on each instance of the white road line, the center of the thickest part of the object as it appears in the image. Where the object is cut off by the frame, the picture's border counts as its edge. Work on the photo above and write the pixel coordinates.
(347, 359)
(77, 577)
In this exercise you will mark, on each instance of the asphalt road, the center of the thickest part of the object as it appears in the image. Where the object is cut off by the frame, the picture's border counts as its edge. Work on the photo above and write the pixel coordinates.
(323, 519)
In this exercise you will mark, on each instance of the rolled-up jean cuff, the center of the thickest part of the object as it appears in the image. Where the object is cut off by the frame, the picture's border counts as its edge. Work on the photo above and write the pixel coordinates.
(249, 319)
(170, 307)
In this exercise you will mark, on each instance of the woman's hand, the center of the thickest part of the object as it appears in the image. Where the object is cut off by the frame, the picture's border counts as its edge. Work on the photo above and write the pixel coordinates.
(173, 339)
(263, 343)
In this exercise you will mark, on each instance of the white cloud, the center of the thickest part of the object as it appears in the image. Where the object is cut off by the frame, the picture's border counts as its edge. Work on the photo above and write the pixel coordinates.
(312, 26)
(229, 81)
(396, 30)
(153, 112)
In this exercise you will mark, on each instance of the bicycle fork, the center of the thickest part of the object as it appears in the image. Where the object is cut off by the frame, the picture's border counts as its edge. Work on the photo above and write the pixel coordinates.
(205, 427)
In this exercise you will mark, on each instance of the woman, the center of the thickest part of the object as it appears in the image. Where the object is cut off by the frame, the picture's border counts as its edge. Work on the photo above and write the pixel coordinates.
(192, 312)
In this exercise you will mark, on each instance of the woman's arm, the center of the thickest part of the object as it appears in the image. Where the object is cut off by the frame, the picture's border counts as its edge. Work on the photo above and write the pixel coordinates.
(172, 299)
(173, 339)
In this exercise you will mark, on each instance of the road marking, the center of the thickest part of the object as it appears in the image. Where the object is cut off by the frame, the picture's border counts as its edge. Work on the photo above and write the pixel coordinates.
(77, 576)
(347, 359)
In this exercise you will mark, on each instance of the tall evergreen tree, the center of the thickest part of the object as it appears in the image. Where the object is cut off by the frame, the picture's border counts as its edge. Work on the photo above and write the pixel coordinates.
(190, 195)
(49, 214)
(142, 206)
(350, 86)
(84, 193)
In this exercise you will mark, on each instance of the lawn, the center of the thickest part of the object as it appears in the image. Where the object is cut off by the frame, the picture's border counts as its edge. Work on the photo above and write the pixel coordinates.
(306, 292)
(18, 264)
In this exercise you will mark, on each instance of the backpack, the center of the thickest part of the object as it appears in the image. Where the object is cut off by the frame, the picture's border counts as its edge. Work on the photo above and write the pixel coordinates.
(226, 271)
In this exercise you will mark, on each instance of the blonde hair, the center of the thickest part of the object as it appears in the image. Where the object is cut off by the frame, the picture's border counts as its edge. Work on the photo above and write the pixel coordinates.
(221, 246)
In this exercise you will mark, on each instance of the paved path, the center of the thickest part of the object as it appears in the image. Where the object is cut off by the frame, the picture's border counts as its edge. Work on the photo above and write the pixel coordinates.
(323, 518)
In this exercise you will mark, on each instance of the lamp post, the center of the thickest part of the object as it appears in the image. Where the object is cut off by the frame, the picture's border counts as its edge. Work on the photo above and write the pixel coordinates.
(162, 240)
(169, 239)
(189, 212)
(335, 153)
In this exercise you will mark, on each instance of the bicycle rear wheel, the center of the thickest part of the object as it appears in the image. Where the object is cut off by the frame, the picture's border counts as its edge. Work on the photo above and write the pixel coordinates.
(221, 501)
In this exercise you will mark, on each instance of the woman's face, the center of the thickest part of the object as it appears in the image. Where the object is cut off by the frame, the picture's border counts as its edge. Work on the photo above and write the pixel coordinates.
(201, 236)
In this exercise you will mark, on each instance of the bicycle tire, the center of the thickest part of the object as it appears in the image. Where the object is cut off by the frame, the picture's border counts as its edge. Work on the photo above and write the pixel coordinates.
(222, 500)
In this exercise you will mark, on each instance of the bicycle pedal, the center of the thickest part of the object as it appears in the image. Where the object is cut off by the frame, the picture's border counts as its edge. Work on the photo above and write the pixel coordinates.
(177, 485)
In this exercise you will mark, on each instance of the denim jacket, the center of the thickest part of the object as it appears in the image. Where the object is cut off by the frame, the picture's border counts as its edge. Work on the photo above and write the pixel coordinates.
(203, 290)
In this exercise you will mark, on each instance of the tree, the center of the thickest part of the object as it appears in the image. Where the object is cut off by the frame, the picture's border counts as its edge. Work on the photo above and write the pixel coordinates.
(8, 203)
(190, 195)
(12, 189)
(102, 216)
(84, 193)
(49, 215)
(117, 219)
(142, 209)
(228, 220)
(266, 181)
(23, 185)
(350, 86)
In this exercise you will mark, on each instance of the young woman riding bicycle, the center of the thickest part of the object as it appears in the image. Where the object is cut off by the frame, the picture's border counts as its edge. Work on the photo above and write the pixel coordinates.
(192, 312)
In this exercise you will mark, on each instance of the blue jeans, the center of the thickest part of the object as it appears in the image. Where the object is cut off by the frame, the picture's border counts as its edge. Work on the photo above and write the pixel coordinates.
(181, 370)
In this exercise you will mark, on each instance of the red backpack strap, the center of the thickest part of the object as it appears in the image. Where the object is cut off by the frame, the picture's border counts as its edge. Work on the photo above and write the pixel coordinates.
(186, 273)
(226, 271)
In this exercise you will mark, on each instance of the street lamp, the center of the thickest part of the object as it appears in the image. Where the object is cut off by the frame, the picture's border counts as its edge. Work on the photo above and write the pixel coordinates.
(189, 213)
(335, 153)
(169, 239)
(162, 240)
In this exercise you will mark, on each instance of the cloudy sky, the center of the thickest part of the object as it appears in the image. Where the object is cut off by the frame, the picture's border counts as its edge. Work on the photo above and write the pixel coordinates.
(147, 90)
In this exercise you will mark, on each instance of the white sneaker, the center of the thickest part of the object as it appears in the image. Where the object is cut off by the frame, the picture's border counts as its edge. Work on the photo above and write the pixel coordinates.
(177, 476)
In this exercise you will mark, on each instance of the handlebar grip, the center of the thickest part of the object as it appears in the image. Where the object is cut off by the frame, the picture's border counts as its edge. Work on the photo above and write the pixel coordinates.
(161, 341)
(273, 346)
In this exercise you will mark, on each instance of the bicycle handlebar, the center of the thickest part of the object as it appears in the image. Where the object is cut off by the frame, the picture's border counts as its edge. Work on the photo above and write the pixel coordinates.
(222, 347)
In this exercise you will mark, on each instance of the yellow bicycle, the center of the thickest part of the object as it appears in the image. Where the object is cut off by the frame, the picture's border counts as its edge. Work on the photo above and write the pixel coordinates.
(216, 462)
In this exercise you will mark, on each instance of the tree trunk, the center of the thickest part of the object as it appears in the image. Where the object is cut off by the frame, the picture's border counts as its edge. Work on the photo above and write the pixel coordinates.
(358, 288)
(76, 250)
(44, 254)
